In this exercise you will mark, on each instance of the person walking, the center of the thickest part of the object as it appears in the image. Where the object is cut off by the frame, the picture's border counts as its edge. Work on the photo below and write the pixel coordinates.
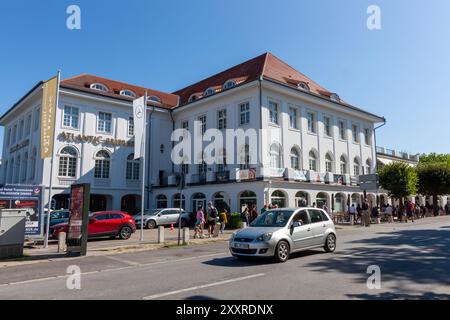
(223, 219)
(352, 212)
(388, 212)
(199, 223)
(245, 215)
(358, 213)
(213, 217)
(264, 209)
(253, 213)
(365, 220)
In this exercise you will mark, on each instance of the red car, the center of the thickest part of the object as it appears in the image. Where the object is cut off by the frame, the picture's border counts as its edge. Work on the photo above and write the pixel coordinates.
(103, 224)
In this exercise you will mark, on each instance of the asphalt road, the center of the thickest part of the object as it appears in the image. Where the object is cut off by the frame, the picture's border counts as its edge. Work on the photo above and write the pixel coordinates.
(414, 260)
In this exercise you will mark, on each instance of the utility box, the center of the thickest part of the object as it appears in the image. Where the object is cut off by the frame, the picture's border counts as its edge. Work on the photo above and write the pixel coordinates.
(12, 232)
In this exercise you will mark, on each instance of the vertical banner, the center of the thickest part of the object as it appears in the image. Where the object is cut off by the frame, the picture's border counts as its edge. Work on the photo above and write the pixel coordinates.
(139, 126)
(49, 97)
(78, 219)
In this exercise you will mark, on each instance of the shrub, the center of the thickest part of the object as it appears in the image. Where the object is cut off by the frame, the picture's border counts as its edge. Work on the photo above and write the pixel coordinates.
(234, 220)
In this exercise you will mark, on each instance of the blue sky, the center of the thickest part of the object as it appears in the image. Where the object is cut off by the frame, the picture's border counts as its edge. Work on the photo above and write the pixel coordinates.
(401, 72)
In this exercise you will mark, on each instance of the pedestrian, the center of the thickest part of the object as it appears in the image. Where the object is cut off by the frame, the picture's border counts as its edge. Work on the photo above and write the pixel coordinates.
(223, 219)
(213, 218)
(352, 212)
(358, 212)
(375, 214)
(365, 218)
(245, 215)
(199, 223)
(314, 205)
(447, 209)
(264, 209)
(417, 211)
(388, 212)
(409, 211)
(253, 213)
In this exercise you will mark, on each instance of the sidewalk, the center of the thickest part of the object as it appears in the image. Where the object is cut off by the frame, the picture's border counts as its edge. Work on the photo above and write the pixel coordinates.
(106, 246)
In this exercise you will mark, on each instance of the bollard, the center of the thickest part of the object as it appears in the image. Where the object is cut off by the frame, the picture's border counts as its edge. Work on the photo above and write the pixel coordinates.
(62, 242)
(352, 219)
(185, 235)
(244, 225)
(160, 234)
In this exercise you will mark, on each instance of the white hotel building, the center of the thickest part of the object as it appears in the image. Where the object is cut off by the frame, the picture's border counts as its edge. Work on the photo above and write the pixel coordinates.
(317, 147)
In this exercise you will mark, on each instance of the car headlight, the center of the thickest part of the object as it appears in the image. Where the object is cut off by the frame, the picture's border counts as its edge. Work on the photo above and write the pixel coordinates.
(233, 236)
(265, 237)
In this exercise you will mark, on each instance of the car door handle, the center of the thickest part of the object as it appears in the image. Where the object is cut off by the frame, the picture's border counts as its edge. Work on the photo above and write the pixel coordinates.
(324, 225)
(309, 229)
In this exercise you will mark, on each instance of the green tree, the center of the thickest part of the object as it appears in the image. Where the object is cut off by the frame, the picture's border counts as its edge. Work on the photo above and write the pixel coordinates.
(399, 179)
(434, 177)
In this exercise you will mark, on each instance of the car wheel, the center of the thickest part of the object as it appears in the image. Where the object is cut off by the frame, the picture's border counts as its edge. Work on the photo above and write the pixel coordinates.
(330, 243)
(282, 251)
(125, 233)
(151, 224)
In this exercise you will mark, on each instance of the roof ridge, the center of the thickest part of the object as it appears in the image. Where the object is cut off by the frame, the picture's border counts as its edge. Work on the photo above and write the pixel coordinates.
(265, 63)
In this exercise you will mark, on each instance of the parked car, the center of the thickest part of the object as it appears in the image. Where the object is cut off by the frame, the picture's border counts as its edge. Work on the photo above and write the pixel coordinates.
(162, 217)
(59, 216)
(103, 224)
(278, 233)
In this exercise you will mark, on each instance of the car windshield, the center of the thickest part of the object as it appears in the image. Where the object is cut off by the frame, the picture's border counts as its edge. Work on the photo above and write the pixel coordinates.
(278, 218)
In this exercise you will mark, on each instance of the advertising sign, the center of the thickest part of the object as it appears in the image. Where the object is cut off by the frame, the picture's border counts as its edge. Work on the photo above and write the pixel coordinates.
(300, 175)
(50, 91)
(78, 219)
(338, 179)
(28, 198)
(249, 174)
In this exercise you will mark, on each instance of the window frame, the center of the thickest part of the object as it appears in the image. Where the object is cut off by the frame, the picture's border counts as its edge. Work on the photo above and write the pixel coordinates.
(244, 114)
(274, 112)
(99, 120)
(71, 117)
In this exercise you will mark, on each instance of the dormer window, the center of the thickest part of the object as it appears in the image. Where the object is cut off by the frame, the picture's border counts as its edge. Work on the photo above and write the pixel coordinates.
(154, 99)
(209, 92)
(303, 86)
(128, 93)
(192, 98)
(334, 97)
(100, 87)
(229, 84)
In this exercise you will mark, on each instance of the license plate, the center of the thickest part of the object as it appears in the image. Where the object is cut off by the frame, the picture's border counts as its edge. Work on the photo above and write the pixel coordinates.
(241, 245)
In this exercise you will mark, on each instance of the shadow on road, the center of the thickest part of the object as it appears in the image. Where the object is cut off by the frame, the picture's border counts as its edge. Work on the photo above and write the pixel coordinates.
(251, 261)
(416, 256)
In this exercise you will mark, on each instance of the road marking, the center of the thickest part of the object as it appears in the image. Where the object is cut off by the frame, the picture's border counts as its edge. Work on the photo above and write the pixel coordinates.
(112, 269)
(170, 293)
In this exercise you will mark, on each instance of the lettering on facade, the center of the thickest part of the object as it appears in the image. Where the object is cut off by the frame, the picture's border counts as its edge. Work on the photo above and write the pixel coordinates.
(95, 140)
(19, 146)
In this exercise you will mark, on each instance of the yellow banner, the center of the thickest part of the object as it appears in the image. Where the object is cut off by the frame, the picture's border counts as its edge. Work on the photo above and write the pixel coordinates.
(50, 91)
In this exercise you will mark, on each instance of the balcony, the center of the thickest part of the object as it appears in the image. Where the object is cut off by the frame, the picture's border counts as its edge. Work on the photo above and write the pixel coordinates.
(223, 176)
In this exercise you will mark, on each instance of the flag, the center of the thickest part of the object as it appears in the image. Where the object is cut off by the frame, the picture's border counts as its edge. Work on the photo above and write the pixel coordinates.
(139, 126)
(49, 98)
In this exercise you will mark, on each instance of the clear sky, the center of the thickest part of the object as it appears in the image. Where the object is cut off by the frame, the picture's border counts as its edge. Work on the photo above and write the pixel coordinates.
(401, 72)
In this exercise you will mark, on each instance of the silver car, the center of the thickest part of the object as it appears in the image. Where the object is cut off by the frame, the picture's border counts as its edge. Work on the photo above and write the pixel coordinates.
(162, 217)
(278, 233)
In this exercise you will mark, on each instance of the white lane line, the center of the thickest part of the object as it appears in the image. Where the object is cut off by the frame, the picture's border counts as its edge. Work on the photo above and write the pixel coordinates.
(111, 269)
(170, 293)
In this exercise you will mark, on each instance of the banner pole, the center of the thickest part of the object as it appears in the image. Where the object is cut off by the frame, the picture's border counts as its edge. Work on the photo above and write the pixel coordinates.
(50, 187)
(144, 132)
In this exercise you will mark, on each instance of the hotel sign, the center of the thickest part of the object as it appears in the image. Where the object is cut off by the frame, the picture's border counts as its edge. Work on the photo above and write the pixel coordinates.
(95, 140)
(249, 174)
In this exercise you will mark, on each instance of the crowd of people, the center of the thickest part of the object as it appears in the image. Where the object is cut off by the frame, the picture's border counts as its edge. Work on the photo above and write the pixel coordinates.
(211, 220)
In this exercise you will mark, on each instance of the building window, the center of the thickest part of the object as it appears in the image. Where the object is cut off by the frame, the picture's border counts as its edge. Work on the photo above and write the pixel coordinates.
(161, 202)
(185, 125)
(343, 165)
(312, 161)
(293, 118)
(273, 112)
(311, 122)
(102, 165)
(99, 86)
(304, 86)
(21, 128)
(327, 126)
(33, 164)
(341, 130)
(130, 126)
(222, 162)
(8, 137)
(202, 168)
(14, 134)
(70, 118)
(355, 133)
(328, 163)
(367, 136)
(28, 125)
(368, 166)
(245, 158)
(37, 116)
(209, 92)
(222, 119)
(202, 123)
(154, 99)
(104, 122)
(275, 156)
(229, 84)
(185, 168)
(192, 98)
(23, 178)
(128, 93)
(244, 113)
(68, 162)
(295, 159)
(356, 167)
(133, 168)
